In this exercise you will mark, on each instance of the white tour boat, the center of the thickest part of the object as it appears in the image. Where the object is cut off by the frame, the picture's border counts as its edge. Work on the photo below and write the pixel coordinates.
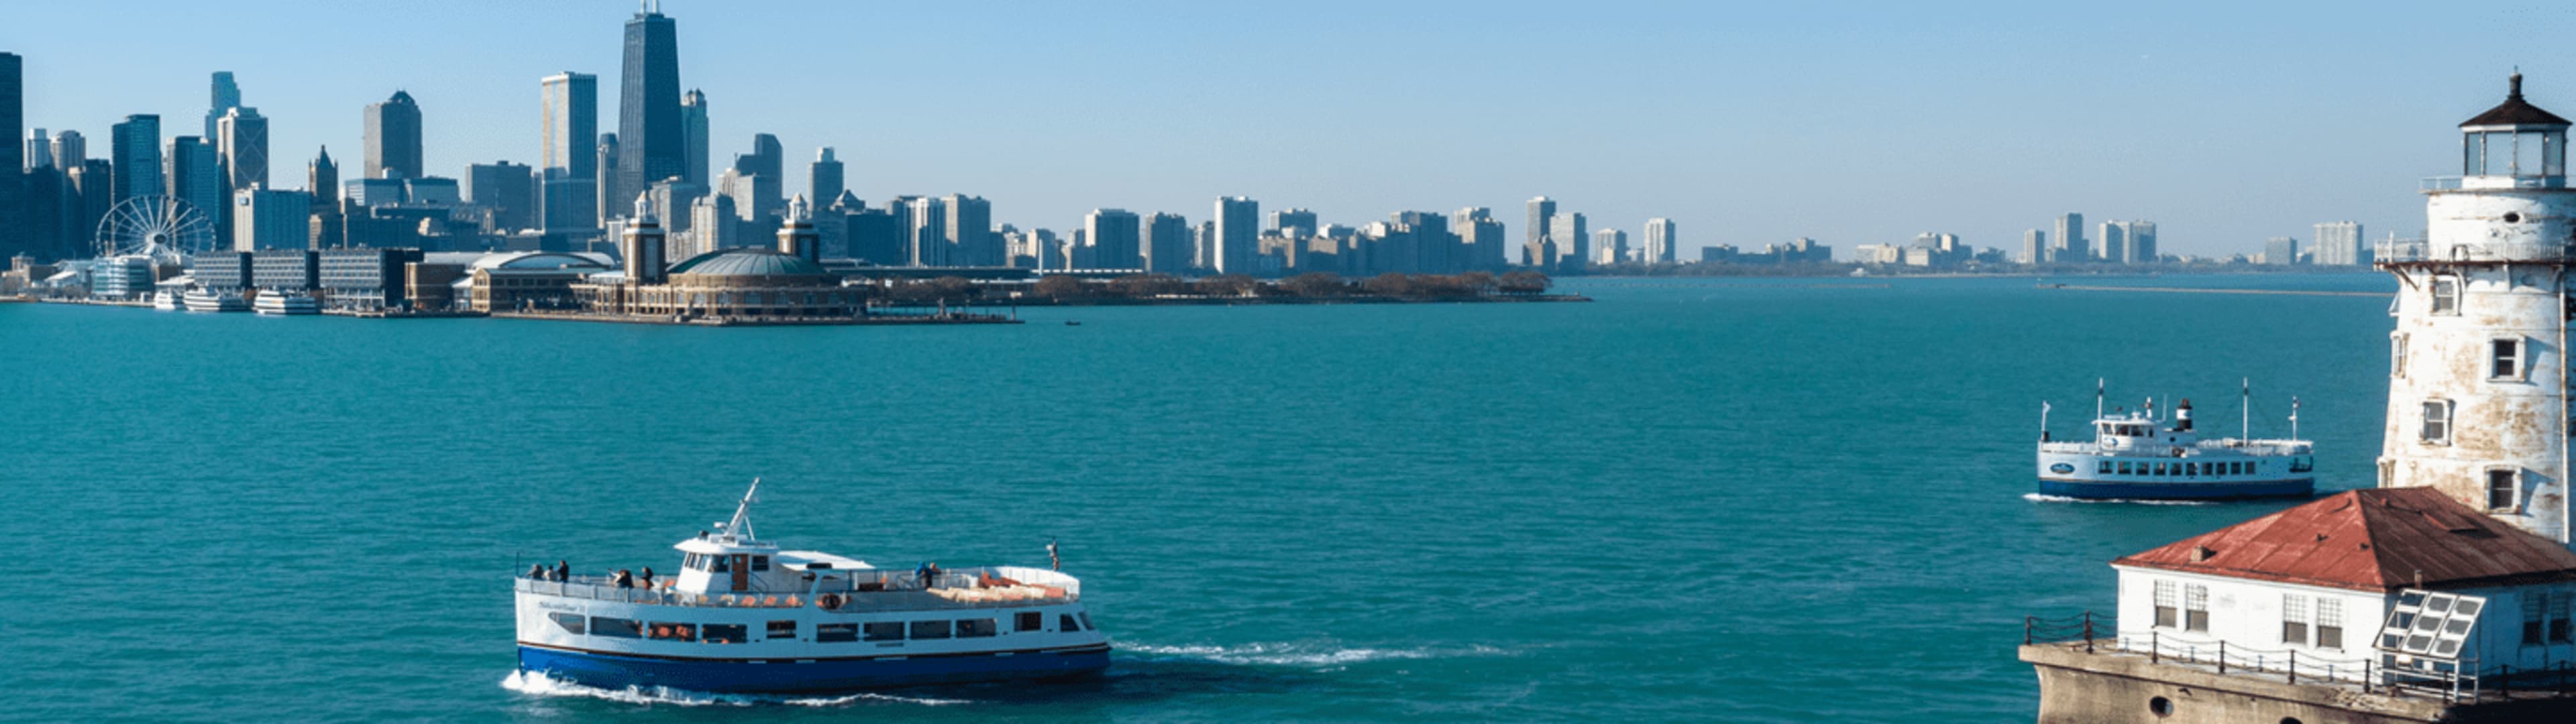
(2138, 456)
(166, 301)
(205, 300)
(744, 616)
(285, 303)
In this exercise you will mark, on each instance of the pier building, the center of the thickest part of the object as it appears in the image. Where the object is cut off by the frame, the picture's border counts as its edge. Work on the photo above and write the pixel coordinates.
(2448, 593)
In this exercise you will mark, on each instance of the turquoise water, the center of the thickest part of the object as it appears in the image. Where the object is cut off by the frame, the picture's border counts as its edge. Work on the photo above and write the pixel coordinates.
(1737, 500)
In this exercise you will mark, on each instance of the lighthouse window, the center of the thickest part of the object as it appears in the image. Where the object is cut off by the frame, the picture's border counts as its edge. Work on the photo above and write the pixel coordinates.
(728, 633)
(836, 633)
(2329, 623)
(2506, 356)
(885, 631)
(2446, 295)
(929, 630)
(2397, 354)
(2437, 422)
(2195, 607)
(2294, 619)
(2502, 488)
(620, 628)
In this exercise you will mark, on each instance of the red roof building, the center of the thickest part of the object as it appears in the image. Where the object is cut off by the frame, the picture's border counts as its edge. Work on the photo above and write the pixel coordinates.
(2379, 540)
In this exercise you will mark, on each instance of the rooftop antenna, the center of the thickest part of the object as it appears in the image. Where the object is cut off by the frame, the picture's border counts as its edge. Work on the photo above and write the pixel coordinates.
(740, 526)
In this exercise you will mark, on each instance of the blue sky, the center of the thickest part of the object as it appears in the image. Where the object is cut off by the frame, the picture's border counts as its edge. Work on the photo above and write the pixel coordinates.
(1747, 123)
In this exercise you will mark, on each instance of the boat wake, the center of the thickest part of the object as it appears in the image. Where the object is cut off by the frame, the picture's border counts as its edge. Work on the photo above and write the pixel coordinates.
(1297, 654)
(538, 684)
(2046, 498)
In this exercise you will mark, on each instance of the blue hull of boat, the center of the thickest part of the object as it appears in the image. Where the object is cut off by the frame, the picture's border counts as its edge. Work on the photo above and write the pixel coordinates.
(737, 676)
(2180, 491)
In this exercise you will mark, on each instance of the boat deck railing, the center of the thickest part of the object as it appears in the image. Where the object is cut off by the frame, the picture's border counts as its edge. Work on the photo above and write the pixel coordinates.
(863, 590)
(2260, 447)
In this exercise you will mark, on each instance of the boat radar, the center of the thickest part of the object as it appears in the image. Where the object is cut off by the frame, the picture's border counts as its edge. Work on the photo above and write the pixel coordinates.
(743, 616)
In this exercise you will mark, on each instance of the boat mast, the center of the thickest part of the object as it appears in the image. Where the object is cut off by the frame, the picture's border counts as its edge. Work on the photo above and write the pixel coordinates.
(2294, 418)
(2098, 384)
(2245, 408)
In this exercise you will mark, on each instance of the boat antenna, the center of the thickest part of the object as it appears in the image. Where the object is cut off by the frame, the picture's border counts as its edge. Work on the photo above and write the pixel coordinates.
(2098, 384)
(740, 526)
(2245, 407)
(2294, 417)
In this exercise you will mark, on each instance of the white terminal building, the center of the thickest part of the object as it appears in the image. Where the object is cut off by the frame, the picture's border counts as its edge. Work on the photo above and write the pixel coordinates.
(2445, 593)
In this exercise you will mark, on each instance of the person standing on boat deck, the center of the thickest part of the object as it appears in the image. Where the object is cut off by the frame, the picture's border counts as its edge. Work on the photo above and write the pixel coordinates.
(928, 573)
(536, 571)
(563, 571)
(648, 578)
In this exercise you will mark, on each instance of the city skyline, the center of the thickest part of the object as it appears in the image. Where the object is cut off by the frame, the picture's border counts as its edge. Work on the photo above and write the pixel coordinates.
(1161, 134)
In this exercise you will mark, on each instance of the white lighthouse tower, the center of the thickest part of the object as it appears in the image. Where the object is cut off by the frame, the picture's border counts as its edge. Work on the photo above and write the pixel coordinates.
(2478, 382)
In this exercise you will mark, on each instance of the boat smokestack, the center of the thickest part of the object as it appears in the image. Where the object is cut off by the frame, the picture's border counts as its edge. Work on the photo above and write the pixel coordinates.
(2182, 416)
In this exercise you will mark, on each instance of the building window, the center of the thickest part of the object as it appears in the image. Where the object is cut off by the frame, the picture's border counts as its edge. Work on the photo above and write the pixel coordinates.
(2446, 294)
(2558, 623)
(2397, 354)
(2545, 617)
(2329, 623)
(2195, 607)
(2503, 486)
(2437, 422)
(2504, 359)
(2294, 619)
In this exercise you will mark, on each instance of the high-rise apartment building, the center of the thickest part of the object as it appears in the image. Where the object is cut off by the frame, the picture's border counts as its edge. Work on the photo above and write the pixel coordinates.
(568, 154)
(1659, 241)
(652, 141)
(241, 145)
(2114, 238)
(1114, 237)
(824, 181)
(970, 231)
(197, 177)
(693, 136)
(1293, 222)
(926, 232)
(1568, 237)
(2281, 251)
(2034, 246)
(2070, 246)
(1609, 246)
(1166, 244)
(2142, 243)
(135, 149)
(2338, 243)
(1238, 235)
(393, 138)
(1535, 249)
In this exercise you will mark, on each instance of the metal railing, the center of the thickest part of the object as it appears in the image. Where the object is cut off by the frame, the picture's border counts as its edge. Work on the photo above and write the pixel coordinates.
(861, 590)
(2454, 682)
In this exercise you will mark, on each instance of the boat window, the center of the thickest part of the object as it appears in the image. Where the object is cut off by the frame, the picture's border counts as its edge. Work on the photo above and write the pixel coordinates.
(2124, 467)
(836, 633)
(2106, 466)
(760, 563)
(975, 628)
(2505, 356)
(2502, 488)
(672, 631)
(1028, 621)
(885, 631)
(782, 630)
(622, 628)
(720, 564)
(929, 630)
(570, 622)
(2446, 294)
(1064, 622)
(689, 561)
(728, 633)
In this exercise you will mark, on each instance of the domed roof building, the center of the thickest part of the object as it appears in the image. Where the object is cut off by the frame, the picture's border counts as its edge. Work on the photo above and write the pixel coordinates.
(739, 285)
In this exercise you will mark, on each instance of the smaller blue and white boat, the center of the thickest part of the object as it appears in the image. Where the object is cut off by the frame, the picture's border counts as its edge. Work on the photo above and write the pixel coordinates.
(742, 616)
(2139, 456)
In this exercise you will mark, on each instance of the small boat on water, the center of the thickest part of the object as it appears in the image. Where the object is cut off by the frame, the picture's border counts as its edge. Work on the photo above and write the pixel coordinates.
(286, 303)
(166, 301)
(2139, 456)
(744, 616)
(205, 300)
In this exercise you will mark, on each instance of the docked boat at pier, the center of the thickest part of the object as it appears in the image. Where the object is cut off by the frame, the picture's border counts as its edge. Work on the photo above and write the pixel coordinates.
(167, 301)
(286, 303)
(2137, 455)
(742, 615)
(207, 300)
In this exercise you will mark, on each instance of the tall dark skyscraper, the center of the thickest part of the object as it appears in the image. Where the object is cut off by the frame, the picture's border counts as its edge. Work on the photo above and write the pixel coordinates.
(568, 164)
(393, 138)
(652, 141)
(135, 149)
(825, 181)
(223, 95)
(13, 159)
(693, 133)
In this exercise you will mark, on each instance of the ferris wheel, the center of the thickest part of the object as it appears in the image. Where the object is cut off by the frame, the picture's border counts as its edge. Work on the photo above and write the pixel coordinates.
(160, 227)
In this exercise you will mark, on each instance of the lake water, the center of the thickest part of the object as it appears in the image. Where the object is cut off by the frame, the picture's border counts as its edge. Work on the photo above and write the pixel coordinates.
(1739, 500)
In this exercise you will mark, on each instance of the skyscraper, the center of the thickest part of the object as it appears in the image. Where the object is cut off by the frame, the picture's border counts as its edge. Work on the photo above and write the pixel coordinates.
(970, 228)
(1166, 243)
(135, 149)
(651, 141)
(927, 232)
(40, 150)
(1659, 241)
(508, 190)
(13, 121)
(328, 229)
(1609, 246)
(1534, 249)
(693, 135)
(393, 138)
(2338, 243)
(608, 176)
(1293, 222)
(2281, 251)
(825, 181)
(568, 161)
(767, 167)
(70, 150)
(2070, 246)
(1571, 241)
(241, 145)
(2142, 243)
(222, 96)
(1483, 237)
(2034, 246)
(1114, 237)
(2115, 237)
(197, 177)
(1238, 235)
